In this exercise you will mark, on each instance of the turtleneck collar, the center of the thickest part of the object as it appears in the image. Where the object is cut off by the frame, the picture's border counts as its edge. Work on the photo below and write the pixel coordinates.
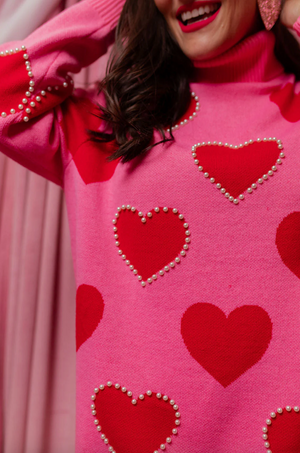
(251, 60)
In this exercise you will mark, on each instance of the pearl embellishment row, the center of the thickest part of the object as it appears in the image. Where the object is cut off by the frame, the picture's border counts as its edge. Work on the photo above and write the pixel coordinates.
(242, 145)
(191, 117)
(144, 219)
(134, 401)
(27, 104)
(273, 415)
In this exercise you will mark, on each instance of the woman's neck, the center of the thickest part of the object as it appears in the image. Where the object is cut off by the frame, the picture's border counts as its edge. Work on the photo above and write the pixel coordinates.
(251, 60)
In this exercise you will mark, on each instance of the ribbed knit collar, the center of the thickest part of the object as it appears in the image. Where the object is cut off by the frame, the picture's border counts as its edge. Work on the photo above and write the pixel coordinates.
(252, 60)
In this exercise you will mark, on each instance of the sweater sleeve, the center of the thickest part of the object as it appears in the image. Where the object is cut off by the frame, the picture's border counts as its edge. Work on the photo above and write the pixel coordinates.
(35, 81)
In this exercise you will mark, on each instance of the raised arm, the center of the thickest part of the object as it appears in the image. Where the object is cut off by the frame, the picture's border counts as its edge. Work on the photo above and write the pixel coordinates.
(34, 81)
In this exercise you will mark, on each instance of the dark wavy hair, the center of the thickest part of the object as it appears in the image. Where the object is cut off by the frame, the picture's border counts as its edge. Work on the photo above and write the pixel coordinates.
(146, 86)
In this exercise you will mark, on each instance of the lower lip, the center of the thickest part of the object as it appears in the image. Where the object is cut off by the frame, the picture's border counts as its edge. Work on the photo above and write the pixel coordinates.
(198, 25)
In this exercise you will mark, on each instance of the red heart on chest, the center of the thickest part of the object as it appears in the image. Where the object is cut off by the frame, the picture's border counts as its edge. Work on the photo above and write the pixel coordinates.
(153, 243)
(288, 242)
(226, 347)
(237, 169)
(141, 425)
(282, 433)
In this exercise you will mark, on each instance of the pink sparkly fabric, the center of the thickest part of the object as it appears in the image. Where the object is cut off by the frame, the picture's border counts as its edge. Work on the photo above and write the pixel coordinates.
(269, 11)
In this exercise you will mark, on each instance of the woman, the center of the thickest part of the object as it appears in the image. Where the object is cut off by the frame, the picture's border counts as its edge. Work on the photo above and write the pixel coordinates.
(185, 241)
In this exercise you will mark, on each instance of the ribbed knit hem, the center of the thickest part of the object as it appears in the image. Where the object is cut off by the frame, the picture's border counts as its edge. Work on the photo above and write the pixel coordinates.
(109, 10)
(296, 26)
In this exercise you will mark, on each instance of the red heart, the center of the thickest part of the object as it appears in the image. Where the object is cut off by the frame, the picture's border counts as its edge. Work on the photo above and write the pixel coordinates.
(226, 347)
(288, 102)
(89, 312)
(154, 244)
(134, 426)
(283, 434)
(235, 170)
(90, 158)
(288, 242)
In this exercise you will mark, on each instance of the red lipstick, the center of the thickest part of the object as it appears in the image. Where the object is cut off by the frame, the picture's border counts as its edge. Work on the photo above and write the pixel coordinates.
(200, 23)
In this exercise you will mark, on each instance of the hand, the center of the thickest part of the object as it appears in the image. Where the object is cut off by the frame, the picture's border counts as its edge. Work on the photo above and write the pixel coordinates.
(290, 12)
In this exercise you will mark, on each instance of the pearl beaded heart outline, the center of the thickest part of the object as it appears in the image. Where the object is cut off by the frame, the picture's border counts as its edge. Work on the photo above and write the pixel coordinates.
(143, 217)
(273, 415)
(254, 186)
(28, 100)
(191, 117)
(134, 401)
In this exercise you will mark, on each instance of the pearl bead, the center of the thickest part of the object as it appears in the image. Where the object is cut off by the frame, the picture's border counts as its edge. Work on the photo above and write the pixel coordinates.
(212, 180)
(182, 253)
(133, 209)
(196, 161)
(93, 397)
(143, 220)
(102, 436)
(253, 186)
(174, 431)
(241, 197)
(260, 180)
(169, 440)
(267, 444)
(158, 395)
(149, 280)
(31, 89)
(21, 106)
(280, 410)
(200, 168)
(4, 115)
(149, 393)
(26, 119)
(177, 414)
(172, 264)
(101, 387)
(96, 390)
(140, 214)
(65, 84)
(12, 111)
(273, 414)
(109, 384)
(154, 277)
(166, 268)
(165, 209)
(249, 190)
(223, 190)
(227, 195)
(30, 74)
(141, 397)
(149, 214)
(161, 272)
(218, 186)
(268, 422)
(38, 99)
(32, 104)
(177, 422)
(117, 386)
(134, 402)
(165, 398)
(93, 406)
(129, 394)
(124, 389)
(177, 260)
(206, 175)
(25, 56)
(143, 283)
(265, 430)
(288, 408)
(156, 209)
(181, 216)
(175, 407)
(43, 93)
(235, 201)
(99, 428)
(230, 198)
(265, 436)
(94, 412)
(162, 447)
(28, 110)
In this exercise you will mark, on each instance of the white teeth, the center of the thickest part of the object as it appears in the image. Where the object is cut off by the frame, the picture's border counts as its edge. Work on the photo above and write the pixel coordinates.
(199, 12)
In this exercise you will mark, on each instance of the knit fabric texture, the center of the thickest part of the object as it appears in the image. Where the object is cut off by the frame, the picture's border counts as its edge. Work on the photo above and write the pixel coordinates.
(187, 261)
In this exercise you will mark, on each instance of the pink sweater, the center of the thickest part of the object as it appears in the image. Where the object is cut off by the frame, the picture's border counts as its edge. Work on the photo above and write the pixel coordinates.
(187, 261)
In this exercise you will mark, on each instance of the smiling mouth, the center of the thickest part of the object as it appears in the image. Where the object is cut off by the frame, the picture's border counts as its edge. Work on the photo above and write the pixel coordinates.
(199, 14)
